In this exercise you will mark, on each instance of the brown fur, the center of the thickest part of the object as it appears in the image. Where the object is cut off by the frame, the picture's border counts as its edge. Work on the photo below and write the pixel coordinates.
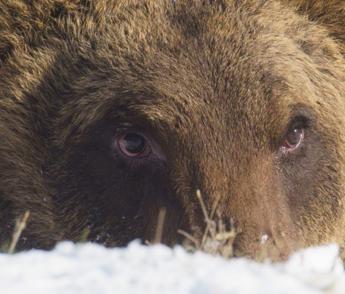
(215, 83)
(329, 13)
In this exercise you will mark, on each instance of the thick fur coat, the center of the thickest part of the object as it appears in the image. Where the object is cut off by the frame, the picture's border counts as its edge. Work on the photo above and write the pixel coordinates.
(243, 100)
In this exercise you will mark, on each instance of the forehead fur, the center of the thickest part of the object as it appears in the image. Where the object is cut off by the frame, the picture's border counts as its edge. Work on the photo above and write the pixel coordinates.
(166, 60)
(163, 56)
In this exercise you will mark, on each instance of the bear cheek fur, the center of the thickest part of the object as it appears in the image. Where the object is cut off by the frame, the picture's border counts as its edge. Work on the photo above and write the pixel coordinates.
(252, 199)
(264, 203)
(295, 202)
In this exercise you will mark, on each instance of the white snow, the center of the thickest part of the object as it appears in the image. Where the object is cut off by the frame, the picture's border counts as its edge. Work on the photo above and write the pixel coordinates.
(93, 269)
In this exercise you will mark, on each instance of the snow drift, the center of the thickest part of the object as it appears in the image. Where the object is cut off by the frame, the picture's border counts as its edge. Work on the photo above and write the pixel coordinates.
(90, 268)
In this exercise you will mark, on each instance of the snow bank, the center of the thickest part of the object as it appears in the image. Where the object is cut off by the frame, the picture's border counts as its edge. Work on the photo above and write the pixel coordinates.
(91, 268)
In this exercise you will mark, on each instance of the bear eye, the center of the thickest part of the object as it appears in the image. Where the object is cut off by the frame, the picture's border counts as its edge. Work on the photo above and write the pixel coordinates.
(133, 145)
(293, 139)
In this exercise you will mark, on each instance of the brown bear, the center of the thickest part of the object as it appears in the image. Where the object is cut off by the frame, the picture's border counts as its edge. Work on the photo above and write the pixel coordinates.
(112, 110)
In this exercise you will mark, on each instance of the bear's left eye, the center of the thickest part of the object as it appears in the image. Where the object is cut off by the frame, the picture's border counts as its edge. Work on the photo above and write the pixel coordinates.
(133, 145)
(293, 139)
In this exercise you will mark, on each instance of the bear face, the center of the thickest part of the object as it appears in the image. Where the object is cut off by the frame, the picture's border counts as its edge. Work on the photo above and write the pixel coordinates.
(112, 111)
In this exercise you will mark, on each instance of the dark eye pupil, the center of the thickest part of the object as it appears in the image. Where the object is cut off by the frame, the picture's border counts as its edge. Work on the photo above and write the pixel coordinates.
(294, 136)
(134, 143)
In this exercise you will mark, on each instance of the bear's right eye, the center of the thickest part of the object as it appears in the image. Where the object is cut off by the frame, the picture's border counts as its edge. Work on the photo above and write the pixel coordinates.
(293, 139)
(133, 145)
(295, 135)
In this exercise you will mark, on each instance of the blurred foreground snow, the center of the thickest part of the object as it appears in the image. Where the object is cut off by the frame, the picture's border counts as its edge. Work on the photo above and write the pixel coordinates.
(92, 269)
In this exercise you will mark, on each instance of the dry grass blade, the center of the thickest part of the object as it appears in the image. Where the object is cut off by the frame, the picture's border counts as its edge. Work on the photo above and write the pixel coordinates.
(217, 238)
(84, 235)
(189, 237)
(160, 226)
(20, 227)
